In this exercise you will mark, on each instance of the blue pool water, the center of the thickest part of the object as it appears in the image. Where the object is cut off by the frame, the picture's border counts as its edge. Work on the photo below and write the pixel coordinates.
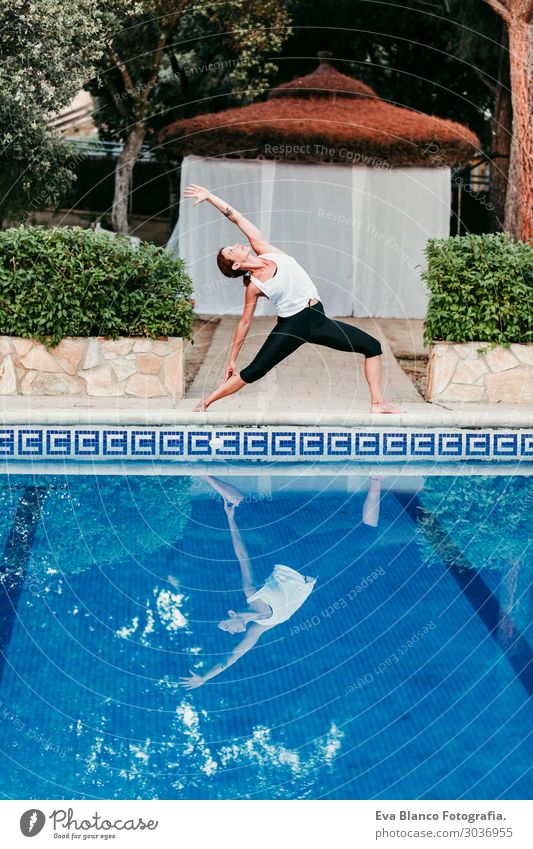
(404, 672)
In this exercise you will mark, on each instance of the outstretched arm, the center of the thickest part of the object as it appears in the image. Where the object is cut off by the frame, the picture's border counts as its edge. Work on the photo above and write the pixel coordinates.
(190, 682)
(257, 241)
(241, 331)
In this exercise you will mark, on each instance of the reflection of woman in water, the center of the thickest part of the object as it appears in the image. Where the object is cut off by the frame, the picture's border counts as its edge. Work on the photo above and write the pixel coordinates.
(282, 594)
(372, 502)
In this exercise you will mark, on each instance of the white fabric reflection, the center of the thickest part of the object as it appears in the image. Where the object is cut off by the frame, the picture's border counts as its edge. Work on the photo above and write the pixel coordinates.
(359, 232)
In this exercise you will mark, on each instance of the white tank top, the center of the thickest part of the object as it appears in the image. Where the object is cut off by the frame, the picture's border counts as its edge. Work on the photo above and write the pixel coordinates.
(285, 590)
(290, 288)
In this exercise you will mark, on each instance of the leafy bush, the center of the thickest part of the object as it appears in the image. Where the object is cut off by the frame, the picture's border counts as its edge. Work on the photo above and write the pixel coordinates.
(481, 288)
(67, 281)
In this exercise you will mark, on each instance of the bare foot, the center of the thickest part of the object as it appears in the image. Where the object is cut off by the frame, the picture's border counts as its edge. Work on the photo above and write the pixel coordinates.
(201, 407)
(385, 407)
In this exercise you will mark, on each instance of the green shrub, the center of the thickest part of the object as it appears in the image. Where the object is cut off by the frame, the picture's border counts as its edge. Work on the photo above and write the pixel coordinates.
(67, 281)
(481, 288)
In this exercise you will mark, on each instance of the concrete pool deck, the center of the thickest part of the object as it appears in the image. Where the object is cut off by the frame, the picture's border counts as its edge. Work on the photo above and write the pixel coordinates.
(314, 386)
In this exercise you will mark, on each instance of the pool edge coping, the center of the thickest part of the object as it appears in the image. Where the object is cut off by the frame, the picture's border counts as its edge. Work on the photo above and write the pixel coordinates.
(447, 418)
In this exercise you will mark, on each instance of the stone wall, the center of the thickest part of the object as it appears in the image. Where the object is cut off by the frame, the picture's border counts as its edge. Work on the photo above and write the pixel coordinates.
(93, 367)
(459, 372)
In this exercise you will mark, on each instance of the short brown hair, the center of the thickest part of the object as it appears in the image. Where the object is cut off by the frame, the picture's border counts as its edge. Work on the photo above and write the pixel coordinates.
(226, 267)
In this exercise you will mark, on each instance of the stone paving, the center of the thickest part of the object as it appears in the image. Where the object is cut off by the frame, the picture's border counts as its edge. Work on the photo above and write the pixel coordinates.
(313, 377)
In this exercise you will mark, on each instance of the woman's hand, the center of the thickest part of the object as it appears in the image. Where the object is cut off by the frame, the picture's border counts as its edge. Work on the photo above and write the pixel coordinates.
(198, 192)
(231, 369)
(192, 681)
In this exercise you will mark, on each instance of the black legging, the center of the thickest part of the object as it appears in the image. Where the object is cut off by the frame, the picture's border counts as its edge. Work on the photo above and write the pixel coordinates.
(308, 325)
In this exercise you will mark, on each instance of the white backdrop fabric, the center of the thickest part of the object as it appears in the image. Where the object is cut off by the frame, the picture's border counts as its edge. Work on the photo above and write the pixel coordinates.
(359, 232)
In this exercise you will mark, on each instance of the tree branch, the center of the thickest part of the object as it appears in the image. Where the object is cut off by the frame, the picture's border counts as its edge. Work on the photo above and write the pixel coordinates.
(491, 85)
(166, 31)
(501, 9)
(128, 82)
(156, 63)
(115, 95)
(178, 70)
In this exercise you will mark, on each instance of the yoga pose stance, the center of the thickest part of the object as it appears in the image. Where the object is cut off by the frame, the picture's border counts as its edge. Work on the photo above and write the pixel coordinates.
(282, 594)
(273, 274)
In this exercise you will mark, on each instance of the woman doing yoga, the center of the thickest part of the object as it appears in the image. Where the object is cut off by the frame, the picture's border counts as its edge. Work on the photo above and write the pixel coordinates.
(273, 274)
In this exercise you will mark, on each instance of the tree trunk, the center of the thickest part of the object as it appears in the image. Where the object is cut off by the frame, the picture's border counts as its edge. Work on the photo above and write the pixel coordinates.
(502, 130)
(501, 135)
(123, 177)
(519, 204)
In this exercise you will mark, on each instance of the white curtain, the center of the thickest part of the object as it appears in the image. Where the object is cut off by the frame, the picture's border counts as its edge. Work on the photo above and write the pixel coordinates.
(359, 232)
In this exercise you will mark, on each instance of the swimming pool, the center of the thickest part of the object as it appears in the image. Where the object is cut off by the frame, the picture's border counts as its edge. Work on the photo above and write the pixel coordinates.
(404, 672)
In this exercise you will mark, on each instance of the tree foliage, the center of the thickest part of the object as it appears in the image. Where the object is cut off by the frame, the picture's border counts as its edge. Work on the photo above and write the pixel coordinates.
(34, 170)
(48, 50)
(47, 54)
(431, 56)
(165, 56)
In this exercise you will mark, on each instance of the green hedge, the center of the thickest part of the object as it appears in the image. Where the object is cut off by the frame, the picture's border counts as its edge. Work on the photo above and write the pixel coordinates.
(481, 289)
(67, 281)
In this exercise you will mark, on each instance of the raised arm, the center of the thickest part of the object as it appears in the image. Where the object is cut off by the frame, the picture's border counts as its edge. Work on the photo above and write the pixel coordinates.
(257, 241)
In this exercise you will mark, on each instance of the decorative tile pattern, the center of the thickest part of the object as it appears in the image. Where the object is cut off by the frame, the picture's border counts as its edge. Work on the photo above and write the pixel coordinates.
(367, 444)
(305, 444)
(395, 444)
(339, 444)
(422, 444)
(255, 444)
(311, 443)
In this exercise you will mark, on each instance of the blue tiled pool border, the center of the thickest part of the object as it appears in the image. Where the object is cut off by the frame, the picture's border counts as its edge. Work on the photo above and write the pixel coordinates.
(263, 443)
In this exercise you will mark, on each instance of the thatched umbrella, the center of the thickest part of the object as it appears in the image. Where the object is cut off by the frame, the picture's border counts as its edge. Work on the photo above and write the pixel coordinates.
(324, 116)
